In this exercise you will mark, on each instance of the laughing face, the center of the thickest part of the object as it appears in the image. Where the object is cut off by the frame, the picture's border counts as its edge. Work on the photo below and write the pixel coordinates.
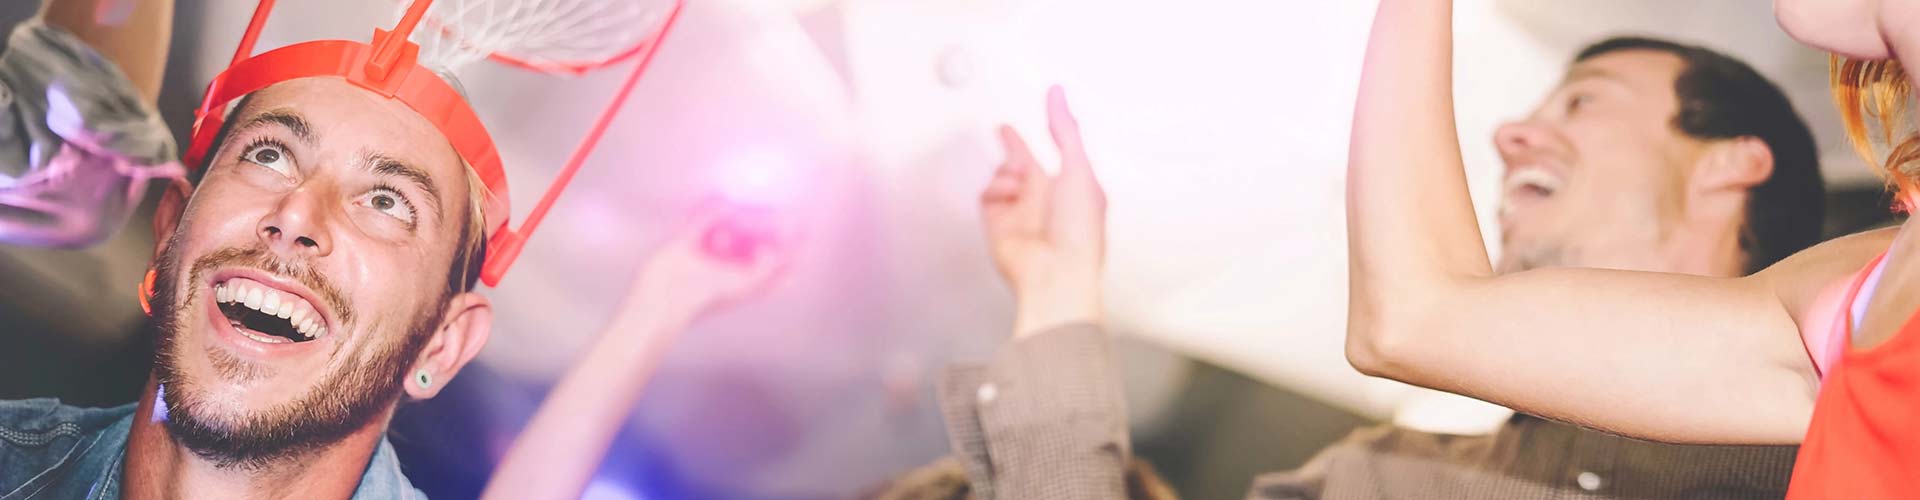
(1593, 176)
(306, 277)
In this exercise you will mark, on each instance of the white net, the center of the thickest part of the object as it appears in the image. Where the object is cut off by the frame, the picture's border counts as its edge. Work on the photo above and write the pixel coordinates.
(546, 35)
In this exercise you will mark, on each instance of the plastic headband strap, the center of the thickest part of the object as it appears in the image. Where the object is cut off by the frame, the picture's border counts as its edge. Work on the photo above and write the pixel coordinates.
(387, 67)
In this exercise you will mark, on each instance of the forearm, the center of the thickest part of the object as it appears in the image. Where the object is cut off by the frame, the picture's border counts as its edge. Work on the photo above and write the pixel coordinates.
(136, 43)
(562, 446)
(1412, 234)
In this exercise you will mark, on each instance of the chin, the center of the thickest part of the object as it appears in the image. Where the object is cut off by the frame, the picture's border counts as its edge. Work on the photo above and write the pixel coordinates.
(1846, 27)
(222, 388)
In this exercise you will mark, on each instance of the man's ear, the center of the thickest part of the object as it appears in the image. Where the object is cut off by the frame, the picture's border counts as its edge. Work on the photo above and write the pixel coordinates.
(166, 215)
(461, 334)
(1736, 164)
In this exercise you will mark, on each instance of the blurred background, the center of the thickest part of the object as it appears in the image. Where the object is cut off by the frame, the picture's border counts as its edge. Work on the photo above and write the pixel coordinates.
(1218, 126)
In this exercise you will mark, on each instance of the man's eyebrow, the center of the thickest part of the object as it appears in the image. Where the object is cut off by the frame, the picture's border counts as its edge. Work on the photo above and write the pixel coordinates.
(1591, 73)
(285, 118)
(387, 165)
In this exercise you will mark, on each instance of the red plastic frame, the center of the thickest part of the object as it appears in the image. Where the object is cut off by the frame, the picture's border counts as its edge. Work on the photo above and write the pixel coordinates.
(387, 66)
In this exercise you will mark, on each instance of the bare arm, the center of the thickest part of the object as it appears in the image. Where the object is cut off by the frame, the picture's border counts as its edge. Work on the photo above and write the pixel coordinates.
(557, 454)
(134, 34)
(1660, 356)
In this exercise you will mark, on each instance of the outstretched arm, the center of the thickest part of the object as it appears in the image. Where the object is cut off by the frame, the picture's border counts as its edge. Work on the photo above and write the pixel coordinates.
(1660, 356)
(719, 259)
(1045, 418)
(134, 34)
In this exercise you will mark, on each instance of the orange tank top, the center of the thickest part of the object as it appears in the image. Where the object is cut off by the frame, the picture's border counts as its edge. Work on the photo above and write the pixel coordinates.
(1864, 440)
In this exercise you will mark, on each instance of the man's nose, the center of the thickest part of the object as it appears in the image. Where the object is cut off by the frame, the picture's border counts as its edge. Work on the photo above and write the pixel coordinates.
(1516, 138)
(298, 225)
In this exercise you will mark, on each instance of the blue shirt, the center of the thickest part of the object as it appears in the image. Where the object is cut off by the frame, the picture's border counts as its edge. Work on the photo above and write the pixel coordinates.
(55, 451)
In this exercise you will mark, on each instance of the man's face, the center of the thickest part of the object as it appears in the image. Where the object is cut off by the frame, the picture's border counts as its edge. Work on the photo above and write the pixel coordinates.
(306, 271)
(1595, 176)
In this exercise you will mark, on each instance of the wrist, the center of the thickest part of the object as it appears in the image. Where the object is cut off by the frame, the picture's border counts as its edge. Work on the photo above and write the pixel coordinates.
(1042, 306)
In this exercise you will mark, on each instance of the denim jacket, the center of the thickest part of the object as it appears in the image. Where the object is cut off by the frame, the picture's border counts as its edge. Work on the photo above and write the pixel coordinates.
(54, 451)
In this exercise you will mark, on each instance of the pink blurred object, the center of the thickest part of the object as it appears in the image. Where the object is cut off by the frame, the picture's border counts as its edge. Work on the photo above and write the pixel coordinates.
(79, 198)
(84, 167)
(112, 12)
(739, 236)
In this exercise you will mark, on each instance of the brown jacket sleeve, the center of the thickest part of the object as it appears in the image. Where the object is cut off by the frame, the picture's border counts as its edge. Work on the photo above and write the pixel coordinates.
(1044, 419)
(1528, 458)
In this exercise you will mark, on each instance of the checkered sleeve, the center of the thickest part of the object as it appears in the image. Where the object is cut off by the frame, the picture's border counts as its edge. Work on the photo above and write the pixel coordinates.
(1044, 419)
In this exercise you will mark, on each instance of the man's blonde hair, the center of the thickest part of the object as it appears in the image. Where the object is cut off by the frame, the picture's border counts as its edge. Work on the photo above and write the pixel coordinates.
(470, 253)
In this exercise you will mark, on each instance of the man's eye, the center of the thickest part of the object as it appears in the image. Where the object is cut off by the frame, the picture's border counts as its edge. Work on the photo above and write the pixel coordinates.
(1577, 101)
(270, 155)
(389, 202)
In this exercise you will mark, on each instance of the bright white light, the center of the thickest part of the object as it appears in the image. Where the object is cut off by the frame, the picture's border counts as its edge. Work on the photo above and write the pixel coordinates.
(758, 177)
(160, 403)
(602, 489)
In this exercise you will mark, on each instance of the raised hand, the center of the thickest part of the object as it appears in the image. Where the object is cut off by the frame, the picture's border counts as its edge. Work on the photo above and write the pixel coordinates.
(1047, 233)
(722, 256)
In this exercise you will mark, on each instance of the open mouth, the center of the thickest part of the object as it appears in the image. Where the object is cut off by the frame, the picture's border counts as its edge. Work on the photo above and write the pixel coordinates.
(1532, 183)
(266, 314)
(1524, 189)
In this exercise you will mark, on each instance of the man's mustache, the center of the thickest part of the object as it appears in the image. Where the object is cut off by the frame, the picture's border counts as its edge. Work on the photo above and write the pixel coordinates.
(257, 257)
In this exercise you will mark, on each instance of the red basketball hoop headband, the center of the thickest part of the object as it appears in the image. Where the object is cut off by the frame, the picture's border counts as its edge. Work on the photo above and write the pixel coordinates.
(578, 37)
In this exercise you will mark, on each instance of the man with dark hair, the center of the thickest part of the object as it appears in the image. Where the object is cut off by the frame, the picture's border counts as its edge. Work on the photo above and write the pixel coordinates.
(1723, 98)
(1650, 156)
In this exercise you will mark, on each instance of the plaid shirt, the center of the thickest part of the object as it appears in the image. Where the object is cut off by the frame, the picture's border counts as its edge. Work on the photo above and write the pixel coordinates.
(1529, 458)
(1045, 420)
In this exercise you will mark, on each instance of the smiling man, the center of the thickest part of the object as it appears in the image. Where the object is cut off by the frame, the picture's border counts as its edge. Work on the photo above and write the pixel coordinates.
(1653, 155)
(282, 327)
(322, 268)
(321, 272)
(1649, 156)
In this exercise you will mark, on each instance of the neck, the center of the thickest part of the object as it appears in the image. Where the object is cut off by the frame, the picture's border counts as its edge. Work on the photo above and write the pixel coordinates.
(158, 467)
(1704, 248)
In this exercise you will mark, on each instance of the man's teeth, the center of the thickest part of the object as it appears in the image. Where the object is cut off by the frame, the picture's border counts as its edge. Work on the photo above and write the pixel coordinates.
(1533, 177)
(272, 302)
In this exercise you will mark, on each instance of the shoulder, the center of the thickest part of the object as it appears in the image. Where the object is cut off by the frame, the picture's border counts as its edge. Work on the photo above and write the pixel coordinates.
(1812, 286)
(48, 415)
(383, 477)
(39, 436)
(1807, 282)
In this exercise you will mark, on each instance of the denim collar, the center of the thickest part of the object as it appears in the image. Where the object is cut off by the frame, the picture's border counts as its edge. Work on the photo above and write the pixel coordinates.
(103, 460)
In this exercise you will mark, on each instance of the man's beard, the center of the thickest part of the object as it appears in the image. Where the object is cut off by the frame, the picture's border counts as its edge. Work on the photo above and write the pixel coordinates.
(1514, 259)
(345, 401)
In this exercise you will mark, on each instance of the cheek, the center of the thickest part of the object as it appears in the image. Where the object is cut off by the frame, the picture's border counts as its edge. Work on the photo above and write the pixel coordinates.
(1847, 27)
(222, 204)
(382, 280)
(208, 227)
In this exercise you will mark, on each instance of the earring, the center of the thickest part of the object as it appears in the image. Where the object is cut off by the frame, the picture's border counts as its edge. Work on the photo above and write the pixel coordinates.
(425, 379)
(146, 293)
